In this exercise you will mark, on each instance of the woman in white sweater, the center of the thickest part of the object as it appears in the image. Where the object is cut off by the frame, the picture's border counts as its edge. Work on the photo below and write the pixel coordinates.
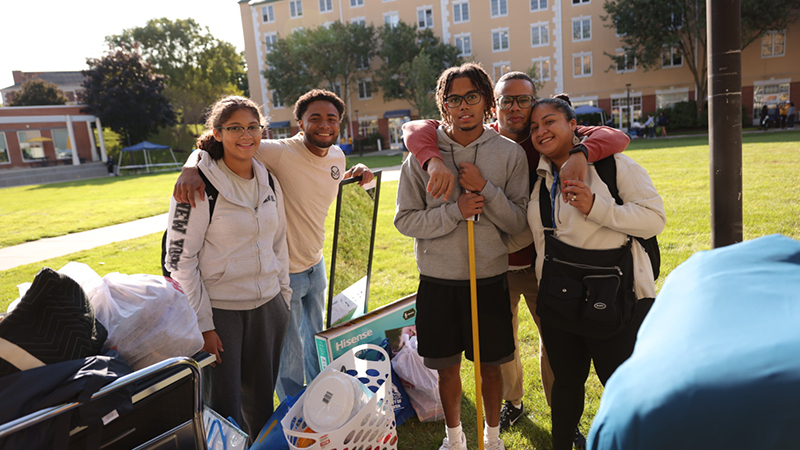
(575, 226)
(233, 264)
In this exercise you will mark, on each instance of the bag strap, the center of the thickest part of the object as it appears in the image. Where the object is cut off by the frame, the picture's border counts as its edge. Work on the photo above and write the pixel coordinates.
(211, 194)
(18, 356)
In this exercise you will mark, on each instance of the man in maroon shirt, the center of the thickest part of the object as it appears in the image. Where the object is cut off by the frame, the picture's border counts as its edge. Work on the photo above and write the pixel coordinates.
(515, 93)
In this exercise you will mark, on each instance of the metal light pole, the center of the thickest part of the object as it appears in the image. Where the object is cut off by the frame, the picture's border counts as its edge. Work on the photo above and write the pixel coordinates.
(630, 112)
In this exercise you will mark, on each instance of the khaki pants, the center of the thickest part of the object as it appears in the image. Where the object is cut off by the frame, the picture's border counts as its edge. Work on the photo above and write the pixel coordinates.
(523, 283)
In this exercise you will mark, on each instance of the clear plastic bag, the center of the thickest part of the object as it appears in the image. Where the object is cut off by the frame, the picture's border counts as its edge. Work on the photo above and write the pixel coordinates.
(420, 382)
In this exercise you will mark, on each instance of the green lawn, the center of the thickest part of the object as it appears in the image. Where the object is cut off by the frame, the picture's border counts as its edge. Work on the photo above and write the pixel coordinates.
(680, 171)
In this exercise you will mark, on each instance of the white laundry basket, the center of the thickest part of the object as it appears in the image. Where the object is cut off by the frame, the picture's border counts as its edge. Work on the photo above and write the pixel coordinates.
(372, 427)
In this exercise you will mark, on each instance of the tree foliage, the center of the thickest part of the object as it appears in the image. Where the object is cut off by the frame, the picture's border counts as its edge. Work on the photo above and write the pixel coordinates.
(125, 93)
(647, 27)
(320, 57)
(198, 67)
(38, 92)
(413, 61)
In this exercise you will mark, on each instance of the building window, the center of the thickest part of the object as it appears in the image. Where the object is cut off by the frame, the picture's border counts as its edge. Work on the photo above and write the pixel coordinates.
(295, 9)
(669, 99)
(625, 114)
(367, 127)
(460, 11)
(582, 65)
(280, 132)
(424, 17)
(499, 8)
(538, 5)
(541, 69)
(464, 44)
(539, 34)
(336, 88)
(500, 40)
(356, 3)
(364, 89)
(772, 95)
(277, 100)
(773, 43)
(271, 39)
(581, 29)
(363, 62)
(30, 150)
(391, 18)
(500, 68)
(580, 2)
(325, 6)
(359, 21)
(61, 143)
(626, 62)
(267, 14)
(4, 158)
(671, 57)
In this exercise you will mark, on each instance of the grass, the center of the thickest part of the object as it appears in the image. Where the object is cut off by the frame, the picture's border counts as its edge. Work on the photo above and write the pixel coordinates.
(680, 171)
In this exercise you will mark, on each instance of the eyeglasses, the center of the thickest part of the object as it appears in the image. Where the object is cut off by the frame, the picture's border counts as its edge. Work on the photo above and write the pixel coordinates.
(523, 101)
(454, 101)
(252, 130)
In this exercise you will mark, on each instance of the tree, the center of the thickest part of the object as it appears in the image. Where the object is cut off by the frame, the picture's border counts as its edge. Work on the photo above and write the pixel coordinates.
(38, 92)
(321, 57)
(661, 31)
(198, 67)
(413, 61)
(124, 92)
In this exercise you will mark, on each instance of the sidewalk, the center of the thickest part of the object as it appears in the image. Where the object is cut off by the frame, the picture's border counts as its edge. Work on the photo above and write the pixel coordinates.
(35, 251)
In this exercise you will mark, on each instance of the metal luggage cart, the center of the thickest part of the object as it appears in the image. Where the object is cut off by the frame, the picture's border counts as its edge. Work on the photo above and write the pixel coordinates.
(167, 410)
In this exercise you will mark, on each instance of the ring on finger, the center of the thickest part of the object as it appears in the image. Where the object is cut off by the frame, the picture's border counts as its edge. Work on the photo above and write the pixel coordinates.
(573, 198)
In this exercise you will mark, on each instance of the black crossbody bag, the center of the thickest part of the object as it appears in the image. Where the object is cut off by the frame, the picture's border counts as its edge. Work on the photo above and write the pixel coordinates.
(583, 291)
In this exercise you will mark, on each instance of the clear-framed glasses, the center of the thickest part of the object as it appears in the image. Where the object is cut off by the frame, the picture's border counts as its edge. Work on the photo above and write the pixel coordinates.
(252, 130)
(454, 101)
(523, 101)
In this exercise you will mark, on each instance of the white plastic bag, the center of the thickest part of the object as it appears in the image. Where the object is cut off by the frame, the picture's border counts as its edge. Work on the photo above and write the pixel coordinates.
(421, 383)
(221, 434)
(148, 317)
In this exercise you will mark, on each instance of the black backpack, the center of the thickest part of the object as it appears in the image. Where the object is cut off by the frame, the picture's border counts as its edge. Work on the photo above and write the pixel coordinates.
(607, 171)
(211, 195)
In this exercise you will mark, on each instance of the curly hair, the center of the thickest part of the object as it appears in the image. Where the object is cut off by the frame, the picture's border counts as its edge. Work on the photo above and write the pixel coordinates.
(220, 112)
(479, 78)
(314, 95)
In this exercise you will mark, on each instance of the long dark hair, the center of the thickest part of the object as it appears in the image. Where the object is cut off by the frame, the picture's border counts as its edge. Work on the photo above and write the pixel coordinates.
(479, 78)
(217, 114)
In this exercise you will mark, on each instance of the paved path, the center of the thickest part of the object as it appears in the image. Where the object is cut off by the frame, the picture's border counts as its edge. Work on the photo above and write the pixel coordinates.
(35, 251)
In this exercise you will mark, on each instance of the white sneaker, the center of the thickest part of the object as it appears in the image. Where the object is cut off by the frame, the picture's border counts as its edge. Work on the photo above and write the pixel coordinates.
(496, 445)
(447, 445)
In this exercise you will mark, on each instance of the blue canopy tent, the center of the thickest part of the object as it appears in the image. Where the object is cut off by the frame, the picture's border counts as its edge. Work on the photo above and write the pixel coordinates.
(588, 109)
(147, 147)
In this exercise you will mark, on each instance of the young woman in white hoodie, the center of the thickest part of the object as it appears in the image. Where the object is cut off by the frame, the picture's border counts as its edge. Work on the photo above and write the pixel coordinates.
(233, 264)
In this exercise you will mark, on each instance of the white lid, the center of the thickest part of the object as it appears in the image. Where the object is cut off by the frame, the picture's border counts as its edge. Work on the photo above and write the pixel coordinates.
(330, 400)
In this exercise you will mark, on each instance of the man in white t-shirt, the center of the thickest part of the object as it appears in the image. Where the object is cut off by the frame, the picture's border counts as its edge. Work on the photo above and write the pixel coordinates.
(309, 168)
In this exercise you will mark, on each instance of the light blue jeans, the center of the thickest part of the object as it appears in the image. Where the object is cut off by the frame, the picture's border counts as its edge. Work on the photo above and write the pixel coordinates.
(308, 304)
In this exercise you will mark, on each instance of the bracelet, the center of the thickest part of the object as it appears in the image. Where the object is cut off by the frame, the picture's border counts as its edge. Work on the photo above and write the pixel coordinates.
(579, 148)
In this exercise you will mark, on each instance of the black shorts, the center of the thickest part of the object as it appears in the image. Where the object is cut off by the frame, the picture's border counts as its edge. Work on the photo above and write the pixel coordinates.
(444, 321)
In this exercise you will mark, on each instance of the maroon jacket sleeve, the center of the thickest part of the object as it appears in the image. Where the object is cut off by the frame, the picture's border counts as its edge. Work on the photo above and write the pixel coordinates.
(421, 141)
(602, 142)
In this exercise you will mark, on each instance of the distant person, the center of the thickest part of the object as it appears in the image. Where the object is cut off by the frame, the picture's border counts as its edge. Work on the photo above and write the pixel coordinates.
(650, 126)
(791, 112)
(663, 121)
(764, 124)
(493, 184)
(783, 113)
(636, 129)
(310, 168)
(234, 266)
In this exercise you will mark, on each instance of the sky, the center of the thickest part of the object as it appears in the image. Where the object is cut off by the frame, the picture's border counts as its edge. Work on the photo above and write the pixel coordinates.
(56, 36)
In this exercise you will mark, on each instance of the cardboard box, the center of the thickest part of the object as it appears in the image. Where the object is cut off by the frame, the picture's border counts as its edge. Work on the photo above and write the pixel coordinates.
(370, 328)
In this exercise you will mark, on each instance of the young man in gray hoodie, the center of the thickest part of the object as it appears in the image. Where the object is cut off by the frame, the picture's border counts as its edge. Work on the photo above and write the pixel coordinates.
(493, 191)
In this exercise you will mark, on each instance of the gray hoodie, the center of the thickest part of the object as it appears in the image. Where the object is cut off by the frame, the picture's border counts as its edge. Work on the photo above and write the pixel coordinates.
(440, 232)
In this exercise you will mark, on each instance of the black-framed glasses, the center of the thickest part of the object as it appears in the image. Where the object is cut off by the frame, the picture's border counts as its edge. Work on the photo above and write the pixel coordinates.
(454, 101)
(523, 101)
(252, 130)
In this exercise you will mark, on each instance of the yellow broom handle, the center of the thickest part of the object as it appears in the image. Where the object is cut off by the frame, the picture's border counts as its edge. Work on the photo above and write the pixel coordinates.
(473, 290)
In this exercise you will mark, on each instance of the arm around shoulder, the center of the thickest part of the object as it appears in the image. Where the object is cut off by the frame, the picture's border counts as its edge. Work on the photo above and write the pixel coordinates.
(602, 142)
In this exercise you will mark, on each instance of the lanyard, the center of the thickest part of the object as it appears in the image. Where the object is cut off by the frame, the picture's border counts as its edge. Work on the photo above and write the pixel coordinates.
(553, 195)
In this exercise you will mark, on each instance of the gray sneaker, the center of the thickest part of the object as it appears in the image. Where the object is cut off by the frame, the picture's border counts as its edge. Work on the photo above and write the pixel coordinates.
(447, 445)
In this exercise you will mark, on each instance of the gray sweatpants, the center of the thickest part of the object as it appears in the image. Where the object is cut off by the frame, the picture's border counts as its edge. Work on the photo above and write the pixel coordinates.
(242, 385)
